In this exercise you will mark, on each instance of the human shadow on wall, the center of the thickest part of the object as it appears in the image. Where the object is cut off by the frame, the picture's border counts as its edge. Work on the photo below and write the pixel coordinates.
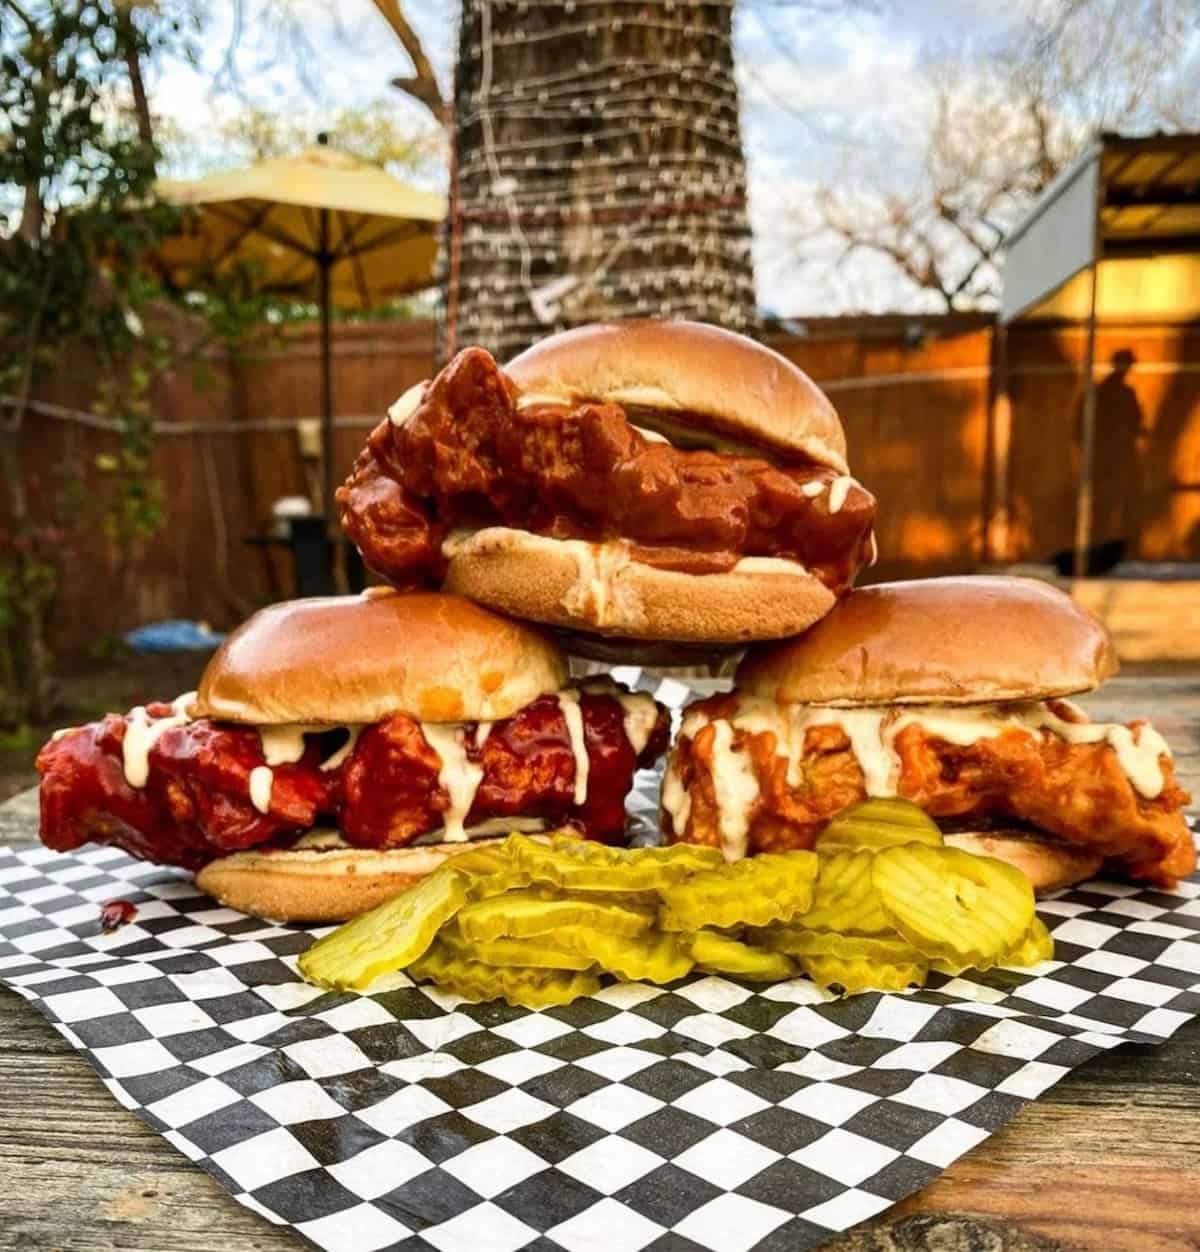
(1118, 470)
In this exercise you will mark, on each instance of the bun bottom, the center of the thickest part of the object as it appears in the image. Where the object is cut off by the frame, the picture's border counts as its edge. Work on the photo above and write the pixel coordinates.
(304, 885)
(598, 588)
(1048, 863)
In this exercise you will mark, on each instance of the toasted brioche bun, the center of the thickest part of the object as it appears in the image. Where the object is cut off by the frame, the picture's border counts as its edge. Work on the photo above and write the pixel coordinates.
(358, 659)
(330, 885)
(598, 587)
(728, 386)
(938, 641)
(1048, 863)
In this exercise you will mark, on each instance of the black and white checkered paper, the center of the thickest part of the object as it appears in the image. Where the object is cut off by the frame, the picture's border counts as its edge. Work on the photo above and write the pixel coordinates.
(708, 1115)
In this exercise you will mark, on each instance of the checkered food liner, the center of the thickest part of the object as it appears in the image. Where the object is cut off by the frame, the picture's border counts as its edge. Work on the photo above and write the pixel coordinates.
(708, 1115)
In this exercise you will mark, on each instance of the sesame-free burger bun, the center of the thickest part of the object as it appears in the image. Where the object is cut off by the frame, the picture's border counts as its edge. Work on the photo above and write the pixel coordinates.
(1049, 864)
(972, 640)
(573, 584)
(359, 659)
(729, 387)
(323, 884)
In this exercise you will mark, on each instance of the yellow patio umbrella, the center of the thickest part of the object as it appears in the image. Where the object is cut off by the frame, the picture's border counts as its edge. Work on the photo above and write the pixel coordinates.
(320, 226)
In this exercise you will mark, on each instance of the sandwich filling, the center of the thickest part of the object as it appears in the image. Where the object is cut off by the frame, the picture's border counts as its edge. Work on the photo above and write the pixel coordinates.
(749, 775)
(182, 791)
(465, 453)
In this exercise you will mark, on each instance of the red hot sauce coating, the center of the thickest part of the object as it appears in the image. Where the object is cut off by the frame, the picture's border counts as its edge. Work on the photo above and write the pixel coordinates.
(196, 803)
(468, 456)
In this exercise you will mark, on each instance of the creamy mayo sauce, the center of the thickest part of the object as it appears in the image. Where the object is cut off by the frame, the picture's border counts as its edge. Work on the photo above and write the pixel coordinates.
(262, 779)
(767, 565)
(482, 730)
(336, 758)
(736, 788)
(284, 745)
(813, 489)
(458, 775)
(839, 489)
(651, 436)
(874, 557)
(676, 800)
(142, 732)
(640, 711)
(873, 731)
(568, 701)
(406, 406)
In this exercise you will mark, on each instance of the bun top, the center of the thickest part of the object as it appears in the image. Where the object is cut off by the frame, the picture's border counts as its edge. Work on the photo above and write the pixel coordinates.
(358, 659)
(724, 384)
(937, 641)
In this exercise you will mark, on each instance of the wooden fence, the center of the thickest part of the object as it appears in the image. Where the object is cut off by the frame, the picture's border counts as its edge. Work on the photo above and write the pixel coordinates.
(914, 395)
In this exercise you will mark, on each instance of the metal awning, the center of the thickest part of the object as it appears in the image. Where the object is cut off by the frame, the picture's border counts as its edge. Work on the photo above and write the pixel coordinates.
(1117, 234)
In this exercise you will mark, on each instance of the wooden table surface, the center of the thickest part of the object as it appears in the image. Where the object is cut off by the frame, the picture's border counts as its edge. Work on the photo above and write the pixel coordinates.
(1107, 1160)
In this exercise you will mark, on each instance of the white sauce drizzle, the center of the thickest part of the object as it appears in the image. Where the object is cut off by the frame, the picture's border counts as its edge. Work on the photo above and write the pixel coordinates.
(458, 775)
(676, 800)
(640, 711)
(813, 489)
(838, 491)
(336, 758)
(284, 745)
(482, 730)
(873, 731)
(767, 565)
(262, 779)
(736, 787)
(651, 436)
(406, 406)
(142, 732)
(874, 557)
(568, 701)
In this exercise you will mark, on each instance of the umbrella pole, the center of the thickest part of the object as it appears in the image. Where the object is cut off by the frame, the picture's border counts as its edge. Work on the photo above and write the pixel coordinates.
(324, 261)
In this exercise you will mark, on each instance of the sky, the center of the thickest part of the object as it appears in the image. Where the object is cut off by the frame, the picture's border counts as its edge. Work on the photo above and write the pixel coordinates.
(824, 97)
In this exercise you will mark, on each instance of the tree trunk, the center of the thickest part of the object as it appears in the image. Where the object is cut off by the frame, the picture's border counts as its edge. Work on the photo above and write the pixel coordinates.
(597, 170)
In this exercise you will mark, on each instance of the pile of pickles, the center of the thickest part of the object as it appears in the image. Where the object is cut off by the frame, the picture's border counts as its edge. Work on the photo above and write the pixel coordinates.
(879, 903)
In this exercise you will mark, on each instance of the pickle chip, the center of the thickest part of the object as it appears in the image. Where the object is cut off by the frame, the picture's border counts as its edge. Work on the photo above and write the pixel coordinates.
(521, 914)
(878, 824)
(1036, 945)
(770, 887)
(535, 953)
(583, 865)
(795, 941)
(716, 953)
(652, 957)
(389, 937)
(522, 988)
(953, 906)
(853, 976)
(845, 897)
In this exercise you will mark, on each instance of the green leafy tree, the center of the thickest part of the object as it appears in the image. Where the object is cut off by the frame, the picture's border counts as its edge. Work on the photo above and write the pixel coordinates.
(77, 164)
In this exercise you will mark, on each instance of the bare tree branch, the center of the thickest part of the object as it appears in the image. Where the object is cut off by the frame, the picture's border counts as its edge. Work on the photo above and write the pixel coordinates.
(422, 84)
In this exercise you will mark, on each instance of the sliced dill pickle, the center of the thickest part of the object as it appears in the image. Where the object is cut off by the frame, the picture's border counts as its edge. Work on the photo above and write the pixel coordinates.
(953, 906)
(716, 953)
(520, 914)
(652, 957)
(580, 864)
(853, 976)
(389, 937)
(535, 953)
(892, 811)
(889, 949)
(770, 887)
(1036, 945)
(845, 898)
(524, 988)
(878, 824)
